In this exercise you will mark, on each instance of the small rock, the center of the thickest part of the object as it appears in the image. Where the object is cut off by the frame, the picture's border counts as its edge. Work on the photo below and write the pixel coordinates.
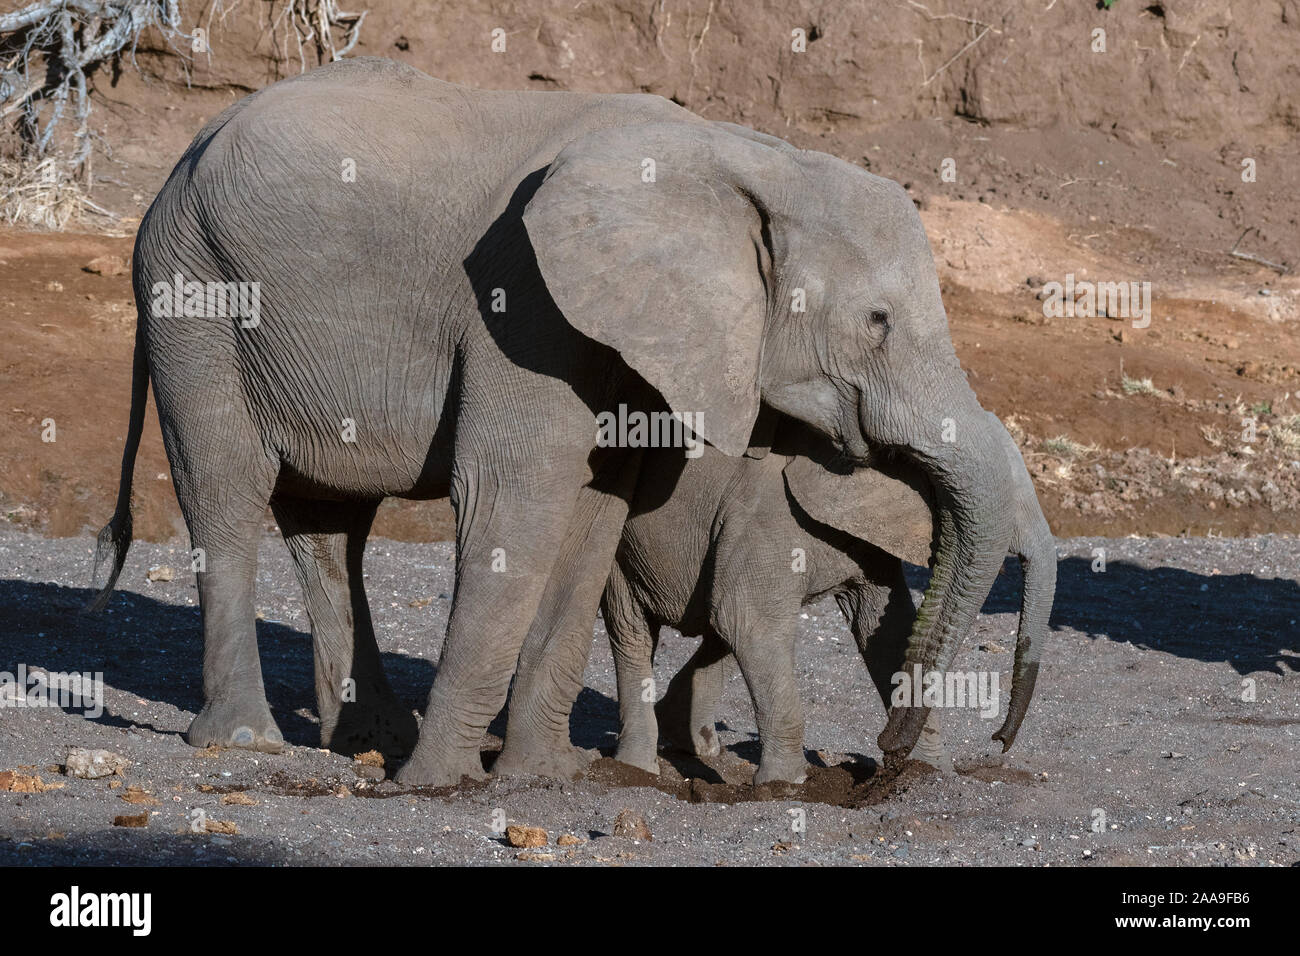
(221, 826)
(11, 781)
(139, 795)
(992, 647)
(782, 847)
(161, 572)
(420, 602)
(237, 799)
(568, 839)
(526, 836)
(108, 266)
(901, 853)
(367, 772)
(536, 857)
(132, 820)
(631, 824)
(93, 764)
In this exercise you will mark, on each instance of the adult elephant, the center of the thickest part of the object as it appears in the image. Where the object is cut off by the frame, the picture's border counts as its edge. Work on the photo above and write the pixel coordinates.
(445, 287)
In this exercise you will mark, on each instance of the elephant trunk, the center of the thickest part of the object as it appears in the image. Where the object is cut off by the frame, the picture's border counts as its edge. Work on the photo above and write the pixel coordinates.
(1037, 550)
(973, 503)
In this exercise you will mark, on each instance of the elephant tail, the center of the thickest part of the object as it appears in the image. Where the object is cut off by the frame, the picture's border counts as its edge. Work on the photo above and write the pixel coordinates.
(115, 538)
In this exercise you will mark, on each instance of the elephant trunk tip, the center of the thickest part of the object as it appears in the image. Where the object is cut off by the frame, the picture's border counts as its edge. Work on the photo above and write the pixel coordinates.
(1021, 693)
(902, 731)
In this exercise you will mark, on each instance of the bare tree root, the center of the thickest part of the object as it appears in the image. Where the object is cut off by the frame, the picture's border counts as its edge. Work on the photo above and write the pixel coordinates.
(46, 50)
(49, 47)
(313, 24)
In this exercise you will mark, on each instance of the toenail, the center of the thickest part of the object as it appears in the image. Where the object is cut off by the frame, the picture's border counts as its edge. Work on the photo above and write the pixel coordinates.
(242, 737)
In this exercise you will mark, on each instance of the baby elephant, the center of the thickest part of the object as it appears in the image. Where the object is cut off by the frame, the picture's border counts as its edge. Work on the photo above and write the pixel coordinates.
(730, 548)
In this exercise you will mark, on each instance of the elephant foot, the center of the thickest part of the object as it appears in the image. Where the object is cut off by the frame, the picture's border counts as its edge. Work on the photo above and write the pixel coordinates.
(681, 733)
(385, 726)
(931, 751)
(235, 724)
(784, 769)
(560, 761)
(639, 754)
(440, 770)
(704, 740)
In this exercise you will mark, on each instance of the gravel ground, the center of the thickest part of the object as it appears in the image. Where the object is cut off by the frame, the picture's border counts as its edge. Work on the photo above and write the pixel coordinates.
(1139, 748)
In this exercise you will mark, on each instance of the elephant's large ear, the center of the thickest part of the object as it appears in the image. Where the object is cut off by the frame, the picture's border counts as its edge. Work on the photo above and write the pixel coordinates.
(890, 504)
(652, 240)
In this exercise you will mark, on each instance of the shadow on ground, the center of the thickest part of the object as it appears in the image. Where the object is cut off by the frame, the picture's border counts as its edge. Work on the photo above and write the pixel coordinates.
(1248, 622)
(153, 649)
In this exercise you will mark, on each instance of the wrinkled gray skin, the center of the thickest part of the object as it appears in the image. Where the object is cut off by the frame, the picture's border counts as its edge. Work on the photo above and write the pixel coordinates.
(381, 303)
(719, 558)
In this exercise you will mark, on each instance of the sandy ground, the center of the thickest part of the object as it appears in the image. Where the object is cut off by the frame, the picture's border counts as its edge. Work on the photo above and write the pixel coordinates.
(1139, 717)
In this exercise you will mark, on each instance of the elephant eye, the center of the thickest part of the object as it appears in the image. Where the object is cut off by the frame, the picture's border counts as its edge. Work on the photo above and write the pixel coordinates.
(880, 317)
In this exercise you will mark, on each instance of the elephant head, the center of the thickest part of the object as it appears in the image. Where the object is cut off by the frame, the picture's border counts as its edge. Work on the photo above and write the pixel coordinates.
(731, 270)
(891, 506)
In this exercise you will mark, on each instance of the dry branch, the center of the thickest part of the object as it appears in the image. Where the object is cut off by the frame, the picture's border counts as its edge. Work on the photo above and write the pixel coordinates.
(50, 47)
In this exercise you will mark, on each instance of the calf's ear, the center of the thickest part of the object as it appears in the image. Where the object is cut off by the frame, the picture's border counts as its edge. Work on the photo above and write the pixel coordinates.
(889, 505)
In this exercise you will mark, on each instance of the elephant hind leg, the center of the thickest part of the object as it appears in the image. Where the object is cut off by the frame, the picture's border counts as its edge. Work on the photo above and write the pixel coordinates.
(223, 492)
(357, 707)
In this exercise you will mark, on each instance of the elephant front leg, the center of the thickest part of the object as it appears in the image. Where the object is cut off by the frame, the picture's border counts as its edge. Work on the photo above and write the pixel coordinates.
(555, 653)
(506, 547)
(688, 712)
(763, 643)
(358, 709)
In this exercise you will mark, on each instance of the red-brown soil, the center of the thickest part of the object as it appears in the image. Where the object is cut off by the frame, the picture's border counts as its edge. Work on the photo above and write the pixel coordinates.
(1124, 166)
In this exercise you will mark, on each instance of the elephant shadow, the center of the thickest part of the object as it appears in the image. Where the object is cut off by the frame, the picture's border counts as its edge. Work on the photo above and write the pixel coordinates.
(1249, 622)
(153, 650)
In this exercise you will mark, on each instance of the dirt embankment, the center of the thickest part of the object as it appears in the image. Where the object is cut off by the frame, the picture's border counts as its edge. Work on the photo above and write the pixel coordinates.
(1032, 156)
